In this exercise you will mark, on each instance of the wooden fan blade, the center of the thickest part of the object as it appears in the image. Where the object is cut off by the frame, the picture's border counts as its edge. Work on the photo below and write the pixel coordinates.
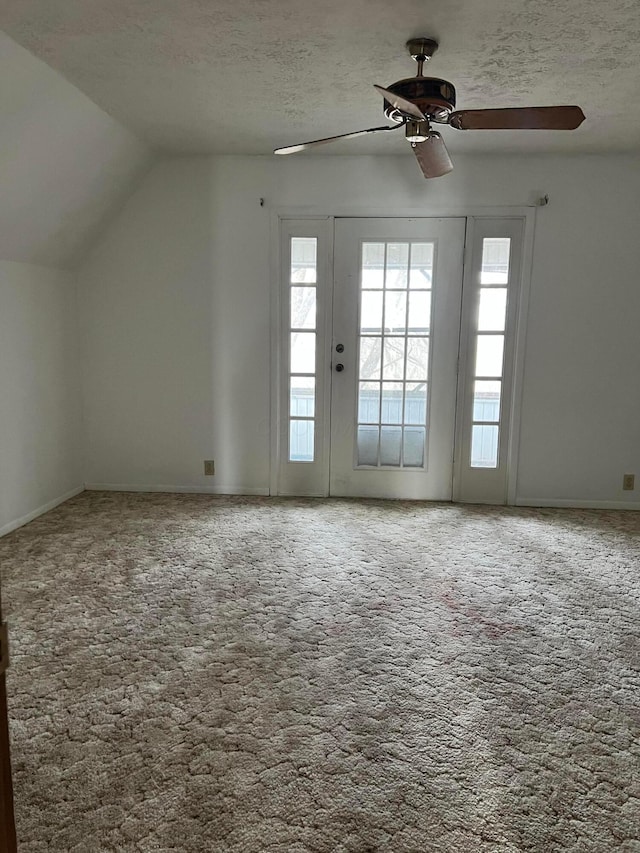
(518, 118)
(292, 149)
(401, 104)
(432, 156)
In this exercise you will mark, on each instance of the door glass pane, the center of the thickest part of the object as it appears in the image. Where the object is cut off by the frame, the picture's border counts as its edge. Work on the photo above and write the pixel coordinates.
(302, 395)
(369, 403)
(489, 355)
(303, 352)
(390, 445)
(415, 403)
(371, 311)
(387, 353)
(301, 441)
(393, 362)
(392, 399)
(395, 311)
(418, 359)
(303, 307)
(484, 446)
(303, 259)
(419, 312)
(368, 445)
(370, 358)
(413, 447)
(373, 265)
(421, 269)
(493, 309)
(397, 264)
(486, 401)
(495, 260)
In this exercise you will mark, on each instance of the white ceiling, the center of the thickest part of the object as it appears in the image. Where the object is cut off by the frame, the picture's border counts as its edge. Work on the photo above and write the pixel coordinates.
(243, 76)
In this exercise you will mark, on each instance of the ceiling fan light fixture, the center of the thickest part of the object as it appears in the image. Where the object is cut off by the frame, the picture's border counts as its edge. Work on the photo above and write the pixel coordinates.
(417, 131)
(416, 102)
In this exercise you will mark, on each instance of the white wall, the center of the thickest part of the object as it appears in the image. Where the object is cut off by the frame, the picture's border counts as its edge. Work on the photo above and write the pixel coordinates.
(65, 167)
(40, 416)
(175, 311)
(147, 354)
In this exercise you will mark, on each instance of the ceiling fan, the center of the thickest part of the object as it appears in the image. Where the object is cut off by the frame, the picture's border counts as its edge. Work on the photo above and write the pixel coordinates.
(416, 103)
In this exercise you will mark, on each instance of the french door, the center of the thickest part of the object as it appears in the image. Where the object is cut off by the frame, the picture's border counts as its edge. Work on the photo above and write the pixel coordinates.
(394, 379)
(396, 326)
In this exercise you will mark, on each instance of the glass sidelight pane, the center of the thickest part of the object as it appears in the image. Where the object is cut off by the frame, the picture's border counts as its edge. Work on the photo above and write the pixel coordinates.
(419, 312)
(303, 259)
(492, 311)
(303, 307)
(415, 403)
(418, 359)
(373, 265)
(397, 265)
(484, 446)
(392, 400)
(302, 296)
(495, 260)
(303, 352)
(370, 358)
(489, 351)
(393, 361)
(413, 447)
(368, 445)
(390, 445)
(301, 441)
(302, 396)
(421, 268)
(371, 311)
(486, 400)
(369, 403)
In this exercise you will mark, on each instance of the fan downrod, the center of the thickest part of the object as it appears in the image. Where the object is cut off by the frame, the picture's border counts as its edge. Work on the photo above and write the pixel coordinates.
(422, 49)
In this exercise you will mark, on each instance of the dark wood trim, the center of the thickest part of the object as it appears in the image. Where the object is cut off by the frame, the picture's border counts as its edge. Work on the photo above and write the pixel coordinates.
(8, 842)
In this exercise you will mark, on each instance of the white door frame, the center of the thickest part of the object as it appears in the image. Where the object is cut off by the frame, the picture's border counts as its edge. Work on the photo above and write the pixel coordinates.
(312, 477)
(487, 485)
(322, 215)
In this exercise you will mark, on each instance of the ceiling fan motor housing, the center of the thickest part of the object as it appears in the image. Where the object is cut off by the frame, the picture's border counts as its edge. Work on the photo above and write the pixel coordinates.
(436, 98)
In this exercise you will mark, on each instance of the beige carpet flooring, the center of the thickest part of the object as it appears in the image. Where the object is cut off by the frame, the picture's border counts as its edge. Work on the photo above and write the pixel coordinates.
(249, 675)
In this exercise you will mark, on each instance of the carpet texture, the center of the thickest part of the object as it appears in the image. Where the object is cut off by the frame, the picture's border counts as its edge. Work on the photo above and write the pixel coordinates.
(253, 675)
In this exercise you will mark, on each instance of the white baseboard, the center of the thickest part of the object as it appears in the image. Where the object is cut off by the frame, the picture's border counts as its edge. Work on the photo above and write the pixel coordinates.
(191, 490)
(577, 504)
(25, 519)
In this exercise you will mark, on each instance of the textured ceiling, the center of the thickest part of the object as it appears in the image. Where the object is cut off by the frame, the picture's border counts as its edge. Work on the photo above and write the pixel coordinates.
(242, 76)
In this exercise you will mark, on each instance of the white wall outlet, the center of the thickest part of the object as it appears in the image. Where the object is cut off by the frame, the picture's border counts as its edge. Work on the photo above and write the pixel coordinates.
(628, 482)
(209, 467)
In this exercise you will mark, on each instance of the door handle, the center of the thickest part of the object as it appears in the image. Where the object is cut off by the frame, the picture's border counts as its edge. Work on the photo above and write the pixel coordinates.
(339, 367)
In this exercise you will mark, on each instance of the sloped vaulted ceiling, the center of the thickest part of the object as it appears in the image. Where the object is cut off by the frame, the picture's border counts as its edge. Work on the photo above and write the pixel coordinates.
(64, 163)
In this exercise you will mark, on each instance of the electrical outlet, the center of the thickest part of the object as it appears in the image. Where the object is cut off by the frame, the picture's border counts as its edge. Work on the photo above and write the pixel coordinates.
(209, 467)
(628, 482)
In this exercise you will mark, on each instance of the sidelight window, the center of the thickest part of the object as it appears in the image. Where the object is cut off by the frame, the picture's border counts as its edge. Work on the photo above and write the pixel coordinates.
(302, 348)
(489, 351)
